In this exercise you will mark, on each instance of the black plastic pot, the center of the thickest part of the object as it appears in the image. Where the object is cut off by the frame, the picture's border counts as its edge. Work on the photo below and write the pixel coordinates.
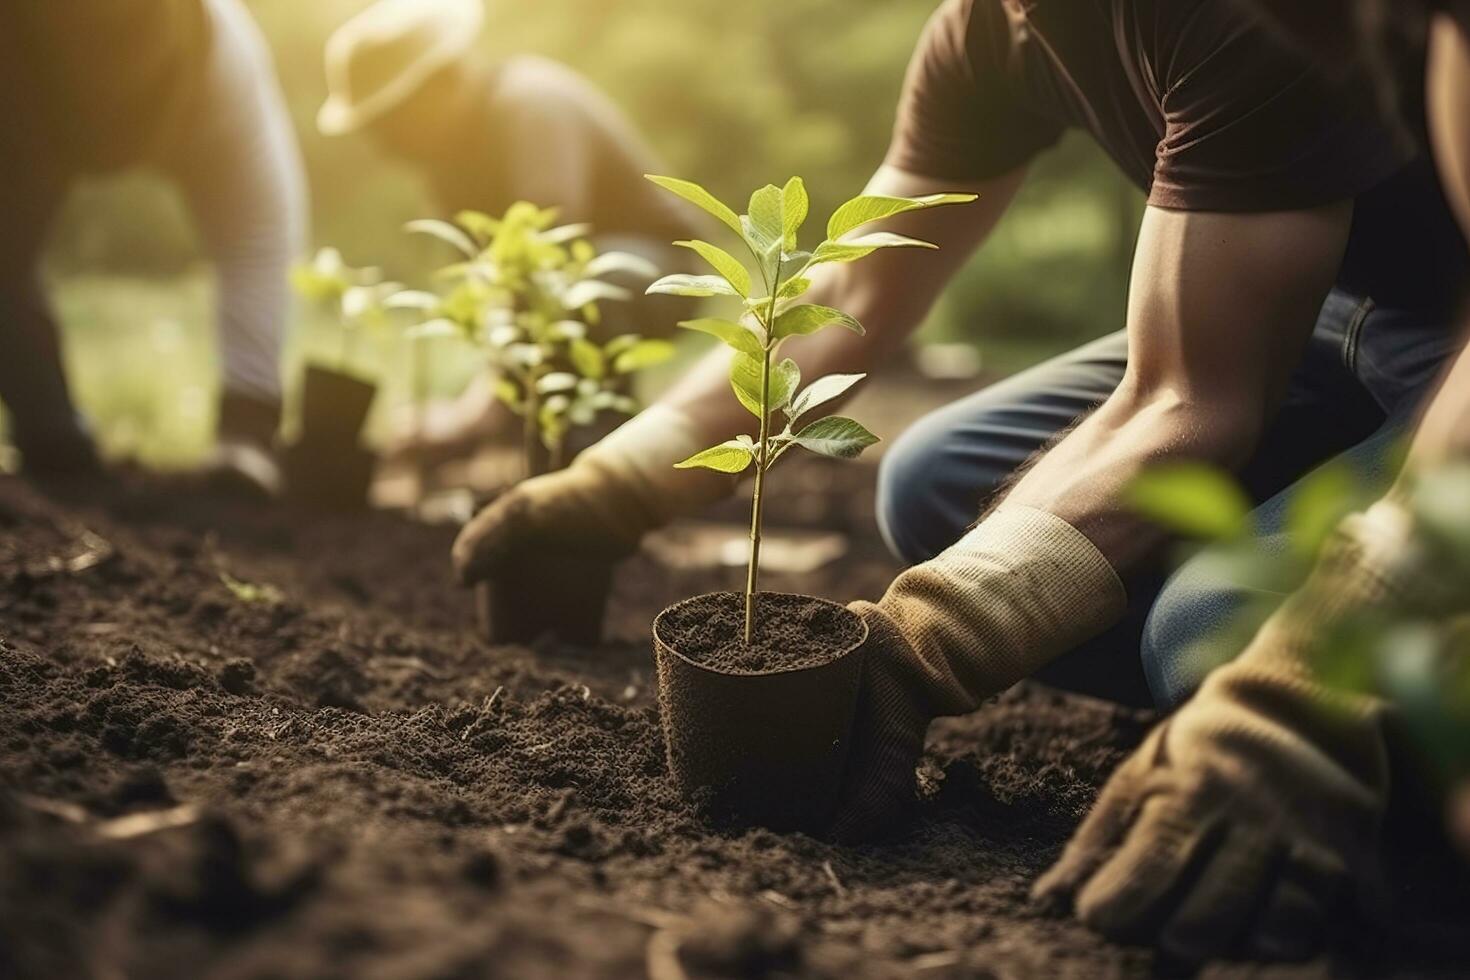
(759, 748)
(327, 467)
(549, 595)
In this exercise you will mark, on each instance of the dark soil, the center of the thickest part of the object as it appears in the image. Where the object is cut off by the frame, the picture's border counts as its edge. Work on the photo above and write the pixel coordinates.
(791, 632)
(322, 772)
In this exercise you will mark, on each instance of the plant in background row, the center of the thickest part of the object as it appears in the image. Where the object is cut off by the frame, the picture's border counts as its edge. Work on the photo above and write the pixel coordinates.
(772, 312)
(327, 466)
(526, 291)
(357, 298)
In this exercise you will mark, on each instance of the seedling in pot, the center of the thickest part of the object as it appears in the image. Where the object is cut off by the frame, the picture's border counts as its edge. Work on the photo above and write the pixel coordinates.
(354, 296)
(758, 730)
(771, 313)
(327, 466)
(526, 292)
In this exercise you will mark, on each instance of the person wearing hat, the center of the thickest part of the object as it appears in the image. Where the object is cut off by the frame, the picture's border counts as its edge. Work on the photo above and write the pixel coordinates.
(186, 88)
(484, 135)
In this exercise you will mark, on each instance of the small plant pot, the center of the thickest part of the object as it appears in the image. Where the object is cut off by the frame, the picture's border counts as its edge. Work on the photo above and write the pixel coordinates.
(334, 406)
(327, 468)
(760, 746)
(547, 596)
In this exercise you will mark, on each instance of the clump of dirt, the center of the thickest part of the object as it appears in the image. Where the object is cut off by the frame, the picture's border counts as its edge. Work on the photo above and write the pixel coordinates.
(334, 776)
(791, 632)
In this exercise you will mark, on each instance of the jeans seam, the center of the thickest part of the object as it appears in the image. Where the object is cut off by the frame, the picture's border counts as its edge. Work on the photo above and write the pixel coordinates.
(1354, 334)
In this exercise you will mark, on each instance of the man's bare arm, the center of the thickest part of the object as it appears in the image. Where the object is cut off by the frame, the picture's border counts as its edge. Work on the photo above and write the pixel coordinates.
(1444, 434)
(1221, 308)
(889, 292)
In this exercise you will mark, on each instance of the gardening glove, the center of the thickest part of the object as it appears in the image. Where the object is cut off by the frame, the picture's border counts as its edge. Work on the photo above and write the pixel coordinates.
(599, 507)
(1020, 589)
(1245, 816)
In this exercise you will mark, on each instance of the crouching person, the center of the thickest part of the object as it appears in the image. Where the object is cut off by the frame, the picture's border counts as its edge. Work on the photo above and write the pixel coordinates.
(1292, 303)
(184, 87)
(1260, 799)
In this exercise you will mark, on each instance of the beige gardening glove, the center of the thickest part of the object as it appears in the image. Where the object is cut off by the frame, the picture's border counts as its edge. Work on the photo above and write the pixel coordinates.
(1019, 590)
(601, 506)
(1243, 818)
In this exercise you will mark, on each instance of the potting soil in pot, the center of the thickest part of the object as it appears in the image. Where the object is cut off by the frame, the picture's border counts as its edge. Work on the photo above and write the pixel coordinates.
(791, 632)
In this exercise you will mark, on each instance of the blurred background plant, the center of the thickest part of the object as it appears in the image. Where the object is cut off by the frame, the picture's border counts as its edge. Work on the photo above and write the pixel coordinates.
(1410, 655)
(790, 86)
(524, 292)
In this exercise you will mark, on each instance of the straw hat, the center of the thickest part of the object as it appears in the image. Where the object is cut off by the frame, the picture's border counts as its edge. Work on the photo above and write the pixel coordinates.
(379, 58)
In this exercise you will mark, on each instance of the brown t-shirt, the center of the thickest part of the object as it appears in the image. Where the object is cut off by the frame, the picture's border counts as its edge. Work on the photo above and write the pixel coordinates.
(1198, 102)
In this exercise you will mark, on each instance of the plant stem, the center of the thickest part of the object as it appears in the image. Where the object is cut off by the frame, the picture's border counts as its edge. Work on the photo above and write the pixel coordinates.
(762, 459)
(757, 499)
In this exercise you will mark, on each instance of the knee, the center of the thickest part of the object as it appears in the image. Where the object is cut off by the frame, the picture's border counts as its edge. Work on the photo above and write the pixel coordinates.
(1184, 637)
(907, 503)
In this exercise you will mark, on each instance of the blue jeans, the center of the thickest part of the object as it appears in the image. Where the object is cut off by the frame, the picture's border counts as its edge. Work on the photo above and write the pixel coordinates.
(1354, 394)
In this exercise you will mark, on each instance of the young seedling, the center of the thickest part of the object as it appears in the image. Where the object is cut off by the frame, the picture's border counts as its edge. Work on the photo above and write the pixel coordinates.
(772, 313)
(357, 298)
(526, 292)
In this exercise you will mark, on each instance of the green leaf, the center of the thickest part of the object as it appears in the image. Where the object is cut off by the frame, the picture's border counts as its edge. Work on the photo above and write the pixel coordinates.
(620, 343)
(1317, 506)
(785, 379)
(432, 329)
(445, 232)
(852, 249)
(566, 233)
(742, 338)
(509, 393)
(792, 288)
(625, 262)
(795, 204)
(1192, 499)
(645, 353)
(587, 358)
(479, 224)
(793, 264)
(728, 457)
(745, 379)
(557, 381)
(837, 437)
(590, 291)
(821, 391)
(412, 299)
(868, 207)
(682, 285)
(700, 198)
(724, 263)
(807, 318)
(767, 217)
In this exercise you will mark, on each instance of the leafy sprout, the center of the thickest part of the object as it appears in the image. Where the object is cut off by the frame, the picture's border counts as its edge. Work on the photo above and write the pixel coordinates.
(357, 297)
(772, 312)
(526, 291)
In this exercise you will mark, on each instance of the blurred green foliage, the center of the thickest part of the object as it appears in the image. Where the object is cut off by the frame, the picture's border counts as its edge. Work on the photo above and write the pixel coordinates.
(787, 86)
(1401, 650)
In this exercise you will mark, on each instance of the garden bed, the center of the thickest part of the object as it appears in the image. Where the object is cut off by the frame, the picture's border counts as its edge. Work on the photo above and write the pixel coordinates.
(240, 742)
